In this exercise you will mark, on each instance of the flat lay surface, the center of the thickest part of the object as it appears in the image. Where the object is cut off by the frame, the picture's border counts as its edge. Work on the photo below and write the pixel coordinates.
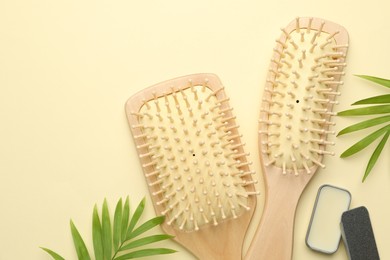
(67, 69)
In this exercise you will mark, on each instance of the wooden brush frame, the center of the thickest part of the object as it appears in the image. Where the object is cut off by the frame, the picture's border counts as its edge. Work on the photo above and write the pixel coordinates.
(223, 241)
(274, 236)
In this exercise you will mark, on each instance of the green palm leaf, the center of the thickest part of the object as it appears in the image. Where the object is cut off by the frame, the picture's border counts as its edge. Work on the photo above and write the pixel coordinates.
(97, 235)
(137, 214)
(382, 99)
(372, 110)
(125, 219)
(81, 249)
(365, 124)
(145, 252)
(116, 237)
(146, 226)
(53, 254)
(369, 110)
(106, 232)
(364, 142)
(109, 240)
(375, 155)
(380, 81)
(145, 240)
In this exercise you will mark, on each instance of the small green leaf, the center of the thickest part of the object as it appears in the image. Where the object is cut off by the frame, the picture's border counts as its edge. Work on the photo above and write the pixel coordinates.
(145, 227)
(53, 254)
(145, 252)
(365, 124)
(106, 232)
(125, 219)
(364, 142)
(117, 225)
(81, 249)
(382, 99)
(380, 81)
(375, 155)
(136, 216)
(372, 110)
(145, 241)
(97, 235)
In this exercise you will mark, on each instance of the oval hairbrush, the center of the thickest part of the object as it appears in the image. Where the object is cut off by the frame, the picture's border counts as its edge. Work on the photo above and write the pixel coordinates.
(194, 163)
(299, 94)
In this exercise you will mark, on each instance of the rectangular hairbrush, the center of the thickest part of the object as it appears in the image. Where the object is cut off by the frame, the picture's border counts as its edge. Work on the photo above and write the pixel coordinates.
(296, 110)
(194, 163)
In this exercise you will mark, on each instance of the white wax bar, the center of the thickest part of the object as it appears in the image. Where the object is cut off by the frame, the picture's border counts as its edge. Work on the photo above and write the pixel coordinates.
(324, 230)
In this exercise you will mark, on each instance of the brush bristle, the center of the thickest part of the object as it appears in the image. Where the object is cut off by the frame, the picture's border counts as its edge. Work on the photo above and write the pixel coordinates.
(299, 95)
(192, 156)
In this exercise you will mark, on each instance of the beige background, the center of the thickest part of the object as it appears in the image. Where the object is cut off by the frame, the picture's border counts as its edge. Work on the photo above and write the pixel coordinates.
(67, 68)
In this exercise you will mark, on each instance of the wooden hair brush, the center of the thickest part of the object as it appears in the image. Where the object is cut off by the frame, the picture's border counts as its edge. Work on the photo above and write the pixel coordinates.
(296, 109)
(194, 163)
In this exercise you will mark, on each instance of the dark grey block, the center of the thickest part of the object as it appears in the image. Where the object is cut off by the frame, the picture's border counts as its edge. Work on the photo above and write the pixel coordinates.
(358, 235)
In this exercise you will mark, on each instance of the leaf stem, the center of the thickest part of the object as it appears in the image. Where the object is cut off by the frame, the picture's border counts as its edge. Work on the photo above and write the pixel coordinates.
(118, 250)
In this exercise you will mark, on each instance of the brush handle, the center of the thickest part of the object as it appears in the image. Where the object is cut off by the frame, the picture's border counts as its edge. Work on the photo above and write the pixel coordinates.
(273, 239)
(223, 242)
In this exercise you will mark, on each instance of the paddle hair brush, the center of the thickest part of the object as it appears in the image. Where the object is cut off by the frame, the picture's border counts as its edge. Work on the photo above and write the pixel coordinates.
(194, 163)
(295, 115)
